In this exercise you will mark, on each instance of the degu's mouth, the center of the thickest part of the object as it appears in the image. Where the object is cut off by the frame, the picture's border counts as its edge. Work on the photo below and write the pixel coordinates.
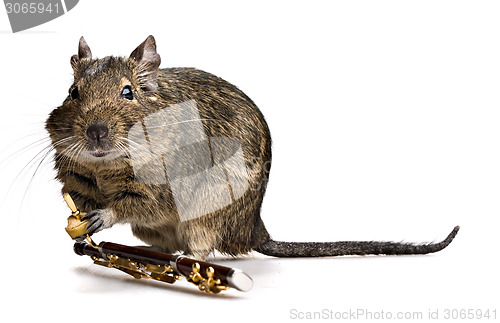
(99, 152)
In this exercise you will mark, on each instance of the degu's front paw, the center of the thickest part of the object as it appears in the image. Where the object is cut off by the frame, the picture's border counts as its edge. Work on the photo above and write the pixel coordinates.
(99, 220)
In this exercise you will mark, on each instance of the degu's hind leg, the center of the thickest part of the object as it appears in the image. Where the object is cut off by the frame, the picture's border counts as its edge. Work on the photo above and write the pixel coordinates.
(163, 239)
(198, 239)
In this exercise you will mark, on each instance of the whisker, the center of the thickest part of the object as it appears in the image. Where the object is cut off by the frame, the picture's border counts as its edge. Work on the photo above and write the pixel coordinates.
(79, 152)
(135, 148)
(40, 156)
(122, 148)
(49, 151)
(16, 154)
(72, 154)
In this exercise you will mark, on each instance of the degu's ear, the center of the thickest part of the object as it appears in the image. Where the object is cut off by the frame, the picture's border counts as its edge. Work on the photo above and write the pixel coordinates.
(83, 53)
(148, 62)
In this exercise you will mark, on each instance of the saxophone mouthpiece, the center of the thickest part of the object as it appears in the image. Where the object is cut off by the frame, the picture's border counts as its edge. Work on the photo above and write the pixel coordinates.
(76, 227)
(70, 202)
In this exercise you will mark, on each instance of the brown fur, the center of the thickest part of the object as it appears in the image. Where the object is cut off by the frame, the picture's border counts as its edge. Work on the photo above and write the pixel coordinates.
(92, 162)
(150, 209)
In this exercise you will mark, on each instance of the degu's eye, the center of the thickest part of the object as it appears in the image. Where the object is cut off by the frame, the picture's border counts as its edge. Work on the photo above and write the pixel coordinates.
(74, 93)
(127, 93)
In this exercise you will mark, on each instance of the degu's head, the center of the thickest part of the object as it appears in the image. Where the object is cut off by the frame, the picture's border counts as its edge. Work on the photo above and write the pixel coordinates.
(108, 96)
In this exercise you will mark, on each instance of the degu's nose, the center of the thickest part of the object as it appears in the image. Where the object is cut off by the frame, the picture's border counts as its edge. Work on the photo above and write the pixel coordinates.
(97, 131)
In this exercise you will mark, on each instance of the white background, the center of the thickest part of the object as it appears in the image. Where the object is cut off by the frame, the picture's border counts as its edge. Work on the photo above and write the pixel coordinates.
(386, 126)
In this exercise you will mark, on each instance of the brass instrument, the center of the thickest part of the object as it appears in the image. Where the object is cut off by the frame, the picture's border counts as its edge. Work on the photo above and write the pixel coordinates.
(145, 263)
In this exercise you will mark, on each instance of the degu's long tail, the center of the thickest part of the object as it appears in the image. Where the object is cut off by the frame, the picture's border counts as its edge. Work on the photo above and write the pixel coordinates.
(344, 248)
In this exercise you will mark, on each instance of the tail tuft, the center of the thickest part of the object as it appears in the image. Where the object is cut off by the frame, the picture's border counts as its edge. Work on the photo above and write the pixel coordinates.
(344, 248)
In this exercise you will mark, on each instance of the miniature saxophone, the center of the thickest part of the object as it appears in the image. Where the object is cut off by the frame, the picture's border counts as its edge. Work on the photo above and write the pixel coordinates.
(146, 263)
